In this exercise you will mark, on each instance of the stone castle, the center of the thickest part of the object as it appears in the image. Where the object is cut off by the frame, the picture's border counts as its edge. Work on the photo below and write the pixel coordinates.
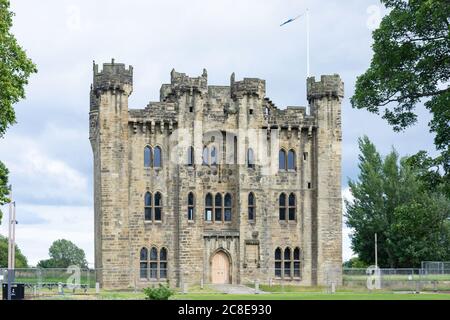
(215, 184)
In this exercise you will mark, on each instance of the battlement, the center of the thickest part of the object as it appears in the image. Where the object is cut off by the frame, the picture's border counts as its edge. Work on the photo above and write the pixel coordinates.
(114, 76)
(183, 82)
(253, 86)
(328, 86)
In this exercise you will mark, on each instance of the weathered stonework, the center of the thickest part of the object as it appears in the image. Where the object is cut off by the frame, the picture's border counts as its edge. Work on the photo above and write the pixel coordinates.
(233, 118)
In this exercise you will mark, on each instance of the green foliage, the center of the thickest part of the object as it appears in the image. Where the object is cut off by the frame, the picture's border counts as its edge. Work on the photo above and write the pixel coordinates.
(15, 69)
(391, 199)
(4, 189)
(355, 262)
(162, 292)
(21, 260)
(64, 253)
(411, 63)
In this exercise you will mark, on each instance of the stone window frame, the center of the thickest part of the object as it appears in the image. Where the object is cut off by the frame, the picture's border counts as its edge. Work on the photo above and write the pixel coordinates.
(153, 262)
(286, 207)
(222, 208)
(251, 207)
(152, 207)
(190, 156)
(250, 160)
(191, 207)
(287, 152)
(150, 164)
(293, 263)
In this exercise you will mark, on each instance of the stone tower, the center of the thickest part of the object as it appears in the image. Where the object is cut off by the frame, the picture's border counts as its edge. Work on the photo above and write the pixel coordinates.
(109, 140)
(325, 99)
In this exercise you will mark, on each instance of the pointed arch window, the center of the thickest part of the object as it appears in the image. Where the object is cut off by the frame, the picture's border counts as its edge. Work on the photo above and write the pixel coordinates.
(190, 156)
(282, 160)
(157, 158)
(148, 215)
(147, 157)
(278, 262)
(291, 160)
(287, 263)
(191, 207)
(208, 207)
(143, 263)
(218, 209)
(251, 207)
(153, 263)
(163, 263)
(282, 206)
(297, 262)
(228, 207)
(292, 207)
(158, 206)
(250, 158)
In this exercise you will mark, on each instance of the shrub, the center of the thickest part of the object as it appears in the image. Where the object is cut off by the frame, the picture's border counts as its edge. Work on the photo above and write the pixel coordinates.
(162, 292)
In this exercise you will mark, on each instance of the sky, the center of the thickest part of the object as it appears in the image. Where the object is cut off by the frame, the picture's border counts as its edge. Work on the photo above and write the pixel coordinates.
(48, 151)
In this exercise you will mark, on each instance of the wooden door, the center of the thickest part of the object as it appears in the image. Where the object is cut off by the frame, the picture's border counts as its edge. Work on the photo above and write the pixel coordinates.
(220, 268)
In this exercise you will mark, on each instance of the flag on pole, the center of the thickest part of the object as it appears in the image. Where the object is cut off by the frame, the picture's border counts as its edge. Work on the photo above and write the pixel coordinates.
(290, 20)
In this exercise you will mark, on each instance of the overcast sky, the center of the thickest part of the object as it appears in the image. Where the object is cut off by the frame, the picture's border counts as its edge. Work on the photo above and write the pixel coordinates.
(48, 150)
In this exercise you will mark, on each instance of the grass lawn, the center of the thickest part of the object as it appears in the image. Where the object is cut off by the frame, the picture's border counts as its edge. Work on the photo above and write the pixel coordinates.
(316, 296)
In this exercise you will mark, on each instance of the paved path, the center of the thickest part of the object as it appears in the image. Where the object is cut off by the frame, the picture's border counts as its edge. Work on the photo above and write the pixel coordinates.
(236, 289)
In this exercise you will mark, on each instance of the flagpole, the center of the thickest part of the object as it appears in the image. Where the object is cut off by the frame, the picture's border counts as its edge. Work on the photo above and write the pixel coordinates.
(307, 43)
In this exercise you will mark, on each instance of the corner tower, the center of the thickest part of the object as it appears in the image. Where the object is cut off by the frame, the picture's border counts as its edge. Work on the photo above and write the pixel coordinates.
(108, 133)
(325, 99)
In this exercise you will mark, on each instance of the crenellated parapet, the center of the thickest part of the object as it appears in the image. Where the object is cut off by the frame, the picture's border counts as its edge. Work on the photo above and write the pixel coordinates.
(114, 76)
(328, 86)
(248, 86)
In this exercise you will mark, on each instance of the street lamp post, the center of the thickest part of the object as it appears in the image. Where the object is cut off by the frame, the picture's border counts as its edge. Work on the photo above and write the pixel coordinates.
(11, 241)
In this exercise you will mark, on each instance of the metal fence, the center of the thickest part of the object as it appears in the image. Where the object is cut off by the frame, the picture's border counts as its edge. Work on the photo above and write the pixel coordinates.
(42, 283)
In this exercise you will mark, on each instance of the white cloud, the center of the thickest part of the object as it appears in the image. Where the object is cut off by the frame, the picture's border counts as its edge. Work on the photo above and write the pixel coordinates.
(73, 223)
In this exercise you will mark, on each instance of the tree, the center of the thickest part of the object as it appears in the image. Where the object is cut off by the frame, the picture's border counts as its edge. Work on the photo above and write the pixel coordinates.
(355, 262)
(411, 63)
(15, 69)
(21, 260)
(390, 199)
(64, 253)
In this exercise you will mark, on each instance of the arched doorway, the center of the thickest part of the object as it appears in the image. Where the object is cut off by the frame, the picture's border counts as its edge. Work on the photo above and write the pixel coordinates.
(220, 268)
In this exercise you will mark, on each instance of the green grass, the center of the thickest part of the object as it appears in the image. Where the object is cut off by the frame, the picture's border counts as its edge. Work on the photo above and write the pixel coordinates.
(315, 296)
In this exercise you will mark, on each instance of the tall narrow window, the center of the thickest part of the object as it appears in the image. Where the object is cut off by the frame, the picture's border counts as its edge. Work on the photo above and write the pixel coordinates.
(228, 207)
(292, 206)
(291, 160)
(251, 206)
(148, 207)
(235, 150)
(278, 262)
(213, 156)
(250, 158)
(158, 206)
(282, 206)
(218, 207)
(297, 262)
(157, 158)
(287, 263)
(147, 157)
(144, 263)
(163, 263)
(208, 207)
(153, 263)
(191, 206)
(205, 158)
(282, 160)
(190, 156)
